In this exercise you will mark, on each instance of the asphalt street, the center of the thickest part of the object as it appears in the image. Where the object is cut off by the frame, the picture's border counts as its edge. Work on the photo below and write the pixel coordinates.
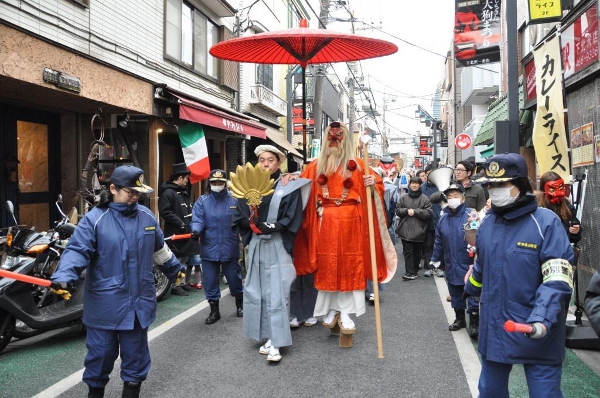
(192, 359)
(420, 358)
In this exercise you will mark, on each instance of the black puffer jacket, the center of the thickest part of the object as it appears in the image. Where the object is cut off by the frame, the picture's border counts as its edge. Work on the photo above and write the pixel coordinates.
(413, 228)
(176, 210)
(592, 302)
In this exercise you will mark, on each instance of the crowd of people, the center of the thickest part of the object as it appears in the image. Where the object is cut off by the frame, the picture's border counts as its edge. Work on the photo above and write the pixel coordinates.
(504, 249)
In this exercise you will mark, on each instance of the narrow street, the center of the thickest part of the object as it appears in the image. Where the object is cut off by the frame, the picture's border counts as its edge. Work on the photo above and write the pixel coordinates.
(189, 358)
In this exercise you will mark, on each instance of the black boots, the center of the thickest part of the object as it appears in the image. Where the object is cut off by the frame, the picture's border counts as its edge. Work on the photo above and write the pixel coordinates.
(459, 322)
(473, 329)
(239, 304)
(214, 312)
(95, 392)
(131, 389)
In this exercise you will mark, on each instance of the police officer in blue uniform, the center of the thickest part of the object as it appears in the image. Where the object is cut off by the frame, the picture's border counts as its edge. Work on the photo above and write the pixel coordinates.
(117, 242)
(212, 216)
(522, 273)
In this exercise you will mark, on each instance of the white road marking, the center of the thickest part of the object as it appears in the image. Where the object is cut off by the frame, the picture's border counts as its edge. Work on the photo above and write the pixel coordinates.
(74, 379)
(466, 351)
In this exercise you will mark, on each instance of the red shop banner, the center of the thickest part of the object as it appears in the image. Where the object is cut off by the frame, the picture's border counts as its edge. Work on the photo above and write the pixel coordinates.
(579, 42)
(579, 49)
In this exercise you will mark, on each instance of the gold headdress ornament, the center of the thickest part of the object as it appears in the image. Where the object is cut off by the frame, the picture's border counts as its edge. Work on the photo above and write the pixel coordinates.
(251, 183)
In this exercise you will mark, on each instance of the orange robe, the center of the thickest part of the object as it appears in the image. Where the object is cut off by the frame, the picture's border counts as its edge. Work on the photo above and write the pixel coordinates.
(335, 246)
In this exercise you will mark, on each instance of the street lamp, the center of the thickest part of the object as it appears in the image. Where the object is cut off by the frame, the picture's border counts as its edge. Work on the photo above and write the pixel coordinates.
(430, 121)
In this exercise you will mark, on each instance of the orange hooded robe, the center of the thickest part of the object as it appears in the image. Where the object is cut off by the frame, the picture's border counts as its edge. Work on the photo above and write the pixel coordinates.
(335, 245)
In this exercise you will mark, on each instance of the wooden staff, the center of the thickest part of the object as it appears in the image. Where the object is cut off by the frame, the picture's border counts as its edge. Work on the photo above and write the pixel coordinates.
(373, 253)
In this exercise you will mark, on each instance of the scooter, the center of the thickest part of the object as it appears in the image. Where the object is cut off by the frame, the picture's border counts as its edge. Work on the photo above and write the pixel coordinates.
(32, 303)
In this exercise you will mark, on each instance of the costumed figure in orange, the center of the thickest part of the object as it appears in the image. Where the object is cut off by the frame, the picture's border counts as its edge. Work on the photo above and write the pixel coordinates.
(389, 166)
(333, 242)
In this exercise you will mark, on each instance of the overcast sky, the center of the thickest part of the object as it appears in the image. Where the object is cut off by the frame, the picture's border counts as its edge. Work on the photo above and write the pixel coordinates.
(422, 30)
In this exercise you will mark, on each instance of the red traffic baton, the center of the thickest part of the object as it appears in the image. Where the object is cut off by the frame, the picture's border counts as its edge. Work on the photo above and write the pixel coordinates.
(25, 278)
(514, 327)
(179, 237)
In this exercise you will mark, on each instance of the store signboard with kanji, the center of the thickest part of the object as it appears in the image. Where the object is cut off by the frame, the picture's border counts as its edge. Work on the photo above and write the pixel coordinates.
(543, 11)
(477, 32)
(579, 42)
(424, 148)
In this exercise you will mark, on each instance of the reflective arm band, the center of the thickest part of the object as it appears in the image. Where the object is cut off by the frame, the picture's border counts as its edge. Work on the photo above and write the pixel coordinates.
(557, 269)
(163, 255)
(474, 282)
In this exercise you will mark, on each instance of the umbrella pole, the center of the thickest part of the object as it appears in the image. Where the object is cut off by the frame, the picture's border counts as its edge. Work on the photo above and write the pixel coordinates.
(373, 253)
(304, 112)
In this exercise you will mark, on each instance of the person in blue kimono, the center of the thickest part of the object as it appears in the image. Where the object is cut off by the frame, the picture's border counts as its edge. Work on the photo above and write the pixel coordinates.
(523, 273)
(117, 243)
(270, 238)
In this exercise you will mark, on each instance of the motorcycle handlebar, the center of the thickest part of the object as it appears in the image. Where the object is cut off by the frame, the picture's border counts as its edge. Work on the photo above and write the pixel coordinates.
(179, 237)
(514, 327)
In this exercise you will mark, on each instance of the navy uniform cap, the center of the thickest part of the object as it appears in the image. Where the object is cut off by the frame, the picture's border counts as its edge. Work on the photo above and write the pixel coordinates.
(131, 177)
(504, 167)
(217, 175)
(455, 186)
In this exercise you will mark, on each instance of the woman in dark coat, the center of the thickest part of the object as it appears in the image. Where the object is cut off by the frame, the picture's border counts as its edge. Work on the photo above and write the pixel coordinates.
(414, 210)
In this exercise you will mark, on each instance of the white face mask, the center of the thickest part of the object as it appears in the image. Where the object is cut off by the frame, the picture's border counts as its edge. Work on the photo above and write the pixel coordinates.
(501, 196)
(217, 188)
(454, 203)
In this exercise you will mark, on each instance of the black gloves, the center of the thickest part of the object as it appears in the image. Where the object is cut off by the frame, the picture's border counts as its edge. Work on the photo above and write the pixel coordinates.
(269, 228)
(195, 235)
(244, 223)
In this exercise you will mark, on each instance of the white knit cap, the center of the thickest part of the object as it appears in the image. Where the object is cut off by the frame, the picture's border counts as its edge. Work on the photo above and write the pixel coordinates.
(269, 148)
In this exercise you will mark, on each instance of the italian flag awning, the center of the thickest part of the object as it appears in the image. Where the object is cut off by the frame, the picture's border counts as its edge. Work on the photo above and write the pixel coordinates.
(195, 153)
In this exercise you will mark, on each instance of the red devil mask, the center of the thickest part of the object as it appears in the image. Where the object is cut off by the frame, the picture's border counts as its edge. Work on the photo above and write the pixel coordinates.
(335, 135)
(555, 191)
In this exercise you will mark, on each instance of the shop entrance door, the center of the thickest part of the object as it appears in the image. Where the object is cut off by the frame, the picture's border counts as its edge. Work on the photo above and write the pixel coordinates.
(32, 174)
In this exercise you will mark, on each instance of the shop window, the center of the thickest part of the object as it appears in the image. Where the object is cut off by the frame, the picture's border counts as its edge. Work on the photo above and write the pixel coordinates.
(189, 35)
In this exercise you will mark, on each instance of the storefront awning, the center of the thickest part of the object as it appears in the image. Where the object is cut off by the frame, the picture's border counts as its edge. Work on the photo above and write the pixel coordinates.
(487, 152)
(279, 139)
(498, 110)
(203, 114)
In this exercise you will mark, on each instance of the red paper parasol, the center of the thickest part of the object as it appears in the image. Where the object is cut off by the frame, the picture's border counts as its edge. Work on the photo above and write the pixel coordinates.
(302, 45)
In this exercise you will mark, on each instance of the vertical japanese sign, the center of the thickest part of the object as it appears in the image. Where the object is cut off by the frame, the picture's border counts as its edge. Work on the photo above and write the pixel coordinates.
(477, 32)
(549, 135)
(543, 11)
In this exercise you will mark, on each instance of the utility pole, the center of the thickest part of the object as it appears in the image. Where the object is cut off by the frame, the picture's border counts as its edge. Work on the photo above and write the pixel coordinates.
(320, 72)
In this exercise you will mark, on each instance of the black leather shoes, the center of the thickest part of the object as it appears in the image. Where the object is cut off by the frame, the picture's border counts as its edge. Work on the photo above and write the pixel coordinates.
(457, 325)
(178, 291)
